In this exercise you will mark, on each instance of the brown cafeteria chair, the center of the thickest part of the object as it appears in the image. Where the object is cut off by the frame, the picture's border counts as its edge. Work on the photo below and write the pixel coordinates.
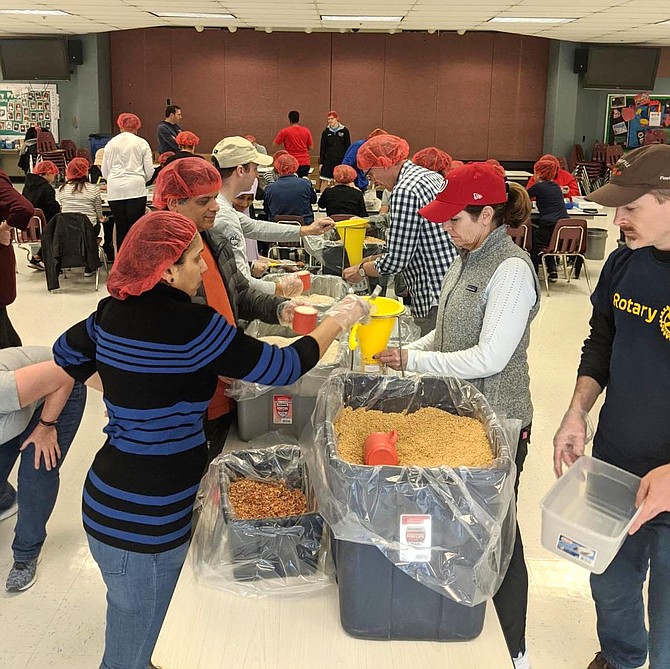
(70, 149)
(522, 236)
(567, 241)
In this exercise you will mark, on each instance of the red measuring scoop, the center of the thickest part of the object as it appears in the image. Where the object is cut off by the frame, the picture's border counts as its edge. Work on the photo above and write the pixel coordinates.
(379, 448)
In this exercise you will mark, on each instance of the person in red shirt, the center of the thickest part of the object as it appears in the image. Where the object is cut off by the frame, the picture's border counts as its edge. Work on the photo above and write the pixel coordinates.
(297, 140)
(564, 179)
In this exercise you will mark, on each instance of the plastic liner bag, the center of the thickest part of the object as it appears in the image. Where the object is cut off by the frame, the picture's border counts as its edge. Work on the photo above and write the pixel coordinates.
(308, 385)
(321, 284)
(472, 511)
(285, 555)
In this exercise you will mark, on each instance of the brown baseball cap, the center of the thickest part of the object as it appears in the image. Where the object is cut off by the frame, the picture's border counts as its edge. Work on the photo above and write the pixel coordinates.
(634, 175)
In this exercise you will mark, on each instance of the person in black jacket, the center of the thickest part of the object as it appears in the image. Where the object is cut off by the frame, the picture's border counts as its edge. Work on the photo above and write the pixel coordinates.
(38, 190)
(335, 141)
(343, 197)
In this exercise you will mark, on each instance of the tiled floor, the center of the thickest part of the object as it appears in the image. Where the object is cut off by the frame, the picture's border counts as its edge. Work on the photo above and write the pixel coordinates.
(59, 622)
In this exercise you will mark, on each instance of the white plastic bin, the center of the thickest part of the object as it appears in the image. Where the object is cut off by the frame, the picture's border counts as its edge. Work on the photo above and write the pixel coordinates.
(588, 512)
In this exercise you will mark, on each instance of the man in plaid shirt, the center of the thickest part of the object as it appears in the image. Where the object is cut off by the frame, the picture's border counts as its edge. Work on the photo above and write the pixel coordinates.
(421, 251)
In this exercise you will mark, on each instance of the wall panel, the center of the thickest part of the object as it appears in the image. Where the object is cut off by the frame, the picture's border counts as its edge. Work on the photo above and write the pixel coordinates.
(477, 95)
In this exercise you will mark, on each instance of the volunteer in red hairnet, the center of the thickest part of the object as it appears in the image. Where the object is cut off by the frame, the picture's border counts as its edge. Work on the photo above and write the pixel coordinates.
(351, 156)
(159, 355)
(433, 159)
(496, 164)
(563, 178)
(190, 187)
(335, 140)
(343, 197)
(127, 166)
(415, 247)
(78, 196)
(186, 141)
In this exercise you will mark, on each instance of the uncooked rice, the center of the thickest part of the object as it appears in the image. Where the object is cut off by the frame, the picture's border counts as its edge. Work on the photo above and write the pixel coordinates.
(318, 300)
(329, 357)
(428, 437)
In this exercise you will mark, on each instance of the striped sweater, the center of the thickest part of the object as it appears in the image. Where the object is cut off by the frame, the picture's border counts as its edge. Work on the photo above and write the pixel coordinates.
(159, 356)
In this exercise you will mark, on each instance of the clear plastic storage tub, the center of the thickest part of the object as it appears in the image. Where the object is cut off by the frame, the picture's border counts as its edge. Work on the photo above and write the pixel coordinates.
(587, 513)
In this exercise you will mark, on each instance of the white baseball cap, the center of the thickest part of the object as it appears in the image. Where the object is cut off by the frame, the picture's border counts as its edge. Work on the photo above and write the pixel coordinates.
(234, 151)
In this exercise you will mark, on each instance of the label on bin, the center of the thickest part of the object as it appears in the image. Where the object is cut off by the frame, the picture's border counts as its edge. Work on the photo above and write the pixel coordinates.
(282, 409)
(415, 534)
(576, 550)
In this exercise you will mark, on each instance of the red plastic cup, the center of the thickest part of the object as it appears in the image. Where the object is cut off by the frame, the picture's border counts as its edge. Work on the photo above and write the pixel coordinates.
(304, 319)
(379, 448)
(306, 278)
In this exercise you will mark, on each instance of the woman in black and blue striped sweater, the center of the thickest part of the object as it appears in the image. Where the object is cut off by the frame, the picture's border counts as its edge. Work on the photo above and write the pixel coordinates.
(158, 356)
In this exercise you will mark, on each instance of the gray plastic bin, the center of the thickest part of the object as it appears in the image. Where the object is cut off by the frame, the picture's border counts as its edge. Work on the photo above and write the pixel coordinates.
(596, 240)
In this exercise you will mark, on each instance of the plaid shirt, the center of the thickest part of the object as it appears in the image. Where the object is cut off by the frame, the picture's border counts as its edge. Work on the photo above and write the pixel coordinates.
(417, 247)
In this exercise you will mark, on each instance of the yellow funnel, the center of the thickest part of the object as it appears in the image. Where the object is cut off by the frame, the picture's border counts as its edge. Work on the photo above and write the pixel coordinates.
(373, 337)
(352, 232)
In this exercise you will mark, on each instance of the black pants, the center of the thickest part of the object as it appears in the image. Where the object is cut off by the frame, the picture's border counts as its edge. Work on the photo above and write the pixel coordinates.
(125, 213)
(511, 600)
(541, 238)
(108, 239)
(303, 171)
(8, 335)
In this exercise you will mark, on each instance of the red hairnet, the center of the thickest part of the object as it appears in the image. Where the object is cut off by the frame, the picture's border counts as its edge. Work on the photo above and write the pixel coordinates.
(344, 174)
(45, 167)
(152, 245)
(382, 151)
(185, 178)
(552, 158)
(376, 132)
(77, 168)
(187, 138)
(499, 168)
(129, 122)
(334, 114)
(281, 152)
(251, 138)
(162, 159)
(286, 165)
(455, 164)
(546, 169)
(433, 159)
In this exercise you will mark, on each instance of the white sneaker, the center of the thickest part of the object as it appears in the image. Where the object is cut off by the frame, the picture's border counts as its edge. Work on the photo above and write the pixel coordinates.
(522, 661)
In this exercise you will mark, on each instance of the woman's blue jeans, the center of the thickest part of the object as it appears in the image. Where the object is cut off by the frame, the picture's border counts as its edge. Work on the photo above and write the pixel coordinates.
(38, 488)
(617, 592)
(139, 590)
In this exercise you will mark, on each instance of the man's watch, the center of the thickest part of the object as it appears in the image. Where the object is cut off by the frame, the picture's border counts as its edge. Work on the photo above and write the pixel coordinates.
(361, 270)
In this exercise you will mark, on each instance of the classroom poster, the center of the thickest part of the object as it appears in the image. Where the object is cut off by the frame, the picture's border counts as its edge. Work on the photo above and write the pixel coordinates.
(23, 105)
(630, 117)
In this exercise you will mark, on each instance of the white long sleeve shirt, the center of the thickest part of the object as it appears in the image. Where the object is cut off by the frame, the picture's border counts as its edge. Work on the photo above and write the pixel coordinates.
(509, 296)
(232, 226)
(127, 166)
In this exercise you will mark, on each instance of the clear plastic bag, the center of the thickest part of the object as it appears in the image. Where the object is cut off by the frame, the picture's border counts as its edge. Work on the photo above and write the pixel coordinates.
(331, 286)
(285, 555)
(472, 511)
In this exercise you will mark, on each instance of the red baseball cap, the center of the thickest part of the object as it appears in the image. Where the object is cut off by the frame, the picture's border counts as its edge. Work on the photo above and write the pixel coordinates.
(473, 184)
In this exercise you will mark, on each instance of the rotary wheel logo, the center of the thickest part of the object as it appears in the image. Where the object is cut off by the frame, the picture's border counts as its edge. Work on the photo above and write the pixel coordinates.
(664, 322)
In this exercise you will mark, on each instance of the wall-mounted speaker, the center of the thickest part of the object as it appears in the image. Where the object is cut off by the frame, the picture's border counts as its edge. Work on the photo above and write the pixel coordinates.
(581, 61)
(75, 52)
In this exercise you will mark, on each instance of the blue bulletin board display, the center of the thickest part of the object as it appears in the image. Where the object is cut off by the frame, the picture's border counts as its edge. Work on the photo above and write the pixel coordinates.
(23, 105)
(630, 117)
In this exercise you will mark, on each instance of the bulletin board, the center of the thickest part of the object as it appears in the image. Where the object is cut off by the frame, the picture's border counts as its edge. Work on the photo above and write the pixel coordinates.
(23, 105)
(630, 117)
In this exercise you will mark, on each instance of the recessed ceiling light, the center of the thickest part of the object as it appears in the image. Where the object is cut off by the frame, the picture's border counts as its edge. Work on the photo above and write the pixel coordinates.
(38, 12)
(192, 15)
(358, 19)
(527, 19)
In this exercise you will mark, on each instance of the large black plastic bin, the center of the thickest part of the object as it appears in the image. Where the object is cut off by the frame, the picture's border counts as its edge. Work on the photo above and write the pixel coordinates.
(271, 547)
(379, 601)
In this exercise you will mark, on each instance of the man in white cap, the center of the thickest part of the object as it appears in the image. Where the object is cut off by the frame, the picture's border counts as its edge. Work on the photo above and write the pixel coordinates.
(628, 351)
(237, 161)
